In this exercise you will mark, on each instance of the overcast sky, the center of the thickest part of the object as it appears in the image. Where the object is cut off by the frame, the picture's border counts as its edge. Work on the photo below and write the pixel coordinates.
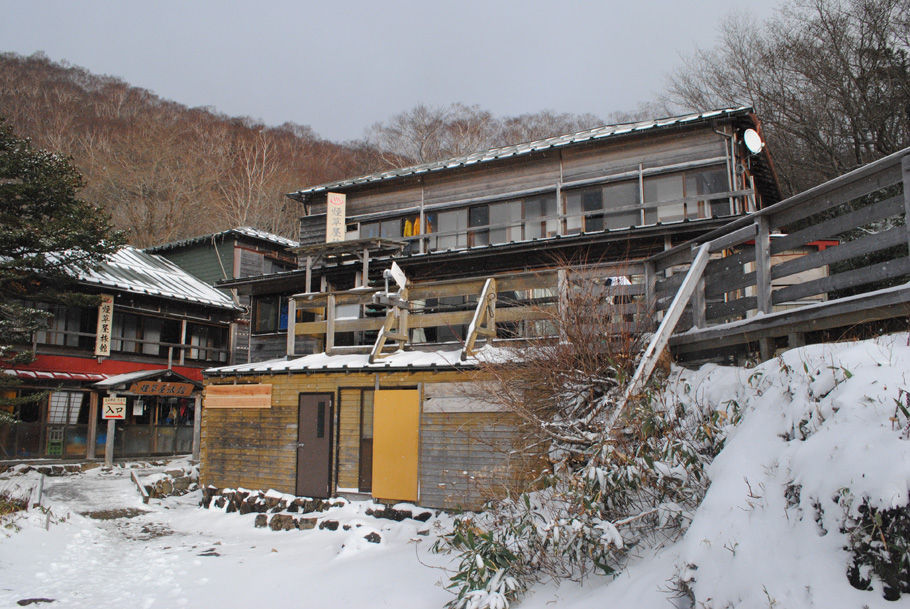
(340, 67)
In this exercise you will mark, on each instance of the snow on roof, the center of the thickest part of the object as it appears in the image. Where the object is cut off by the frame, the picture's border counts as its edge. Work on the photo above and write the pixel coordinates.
(320, 362)
(244, 231)
(559, 141)
(140, 375)
(132, 270)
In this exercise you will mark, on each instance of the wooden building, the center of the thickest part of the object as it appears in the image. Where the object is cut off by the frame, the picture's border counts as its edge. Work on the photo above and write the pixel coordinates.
(155, 330)
(234, 254)
(427, 263)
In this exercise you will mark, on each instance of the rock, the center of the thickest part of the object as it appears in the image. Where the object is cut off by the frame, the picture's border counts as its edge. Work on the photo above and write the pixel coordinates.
(219, 503)
(182, 483)
(282, 522)
(261, 521)
(32, 601)
(373, 537)
(331, 525)
(174, 473)
(423, 532)
(245, 508)
(90, 465)
(390, 514)
(306, 523)
(72, 469)
(423, 516)
(293, 507)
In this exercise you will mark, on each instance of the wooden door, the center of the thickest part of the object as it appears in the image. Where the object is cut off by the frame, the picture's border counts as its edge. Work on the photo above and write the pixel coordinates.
(314, 445)
(396, 421)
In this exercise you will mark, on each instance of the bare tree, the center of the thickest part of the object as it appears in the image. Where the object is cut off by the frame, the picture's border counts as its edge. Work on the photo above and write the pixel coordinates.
(829, 78)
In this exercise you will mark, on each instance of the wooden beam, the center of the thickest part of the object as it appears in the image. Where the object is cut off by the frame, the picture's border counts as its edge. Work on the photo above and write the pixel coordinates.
(484, 318)
(662, 336)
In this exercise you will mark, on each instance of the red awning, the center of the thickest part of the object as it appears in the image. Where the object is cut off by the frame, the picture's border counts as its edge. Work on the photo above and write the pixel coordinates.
(47, 375)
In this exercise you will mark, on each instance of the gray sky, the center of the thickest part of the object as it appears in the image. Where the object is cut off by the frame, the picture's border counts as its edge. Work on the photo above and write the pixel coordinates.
(340, 68)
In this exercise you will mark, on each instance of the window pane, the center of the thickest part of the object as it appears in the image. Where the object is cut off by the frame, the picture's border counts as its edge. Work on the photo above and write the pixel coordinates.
(540, 217)
(369, 230)
(455, 224)
(265, 314)
(668, 191)
(505, 220)
(573, 213)
(709, 181)
(619, 195)
(391, 229)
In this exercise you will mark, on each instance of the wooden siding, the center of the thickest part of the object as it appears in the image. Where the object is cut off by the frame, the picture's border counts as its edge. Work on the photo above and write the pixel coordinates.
(671, 149)
(257, 449)
(201, 260)
(349, 439)
(468, 458)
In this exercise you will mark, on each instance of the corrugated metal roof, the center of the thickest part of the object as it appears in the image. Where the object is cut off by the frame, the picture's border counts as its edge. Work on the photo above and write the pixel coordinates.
(133, 270)
(245, 231)
(598, 133)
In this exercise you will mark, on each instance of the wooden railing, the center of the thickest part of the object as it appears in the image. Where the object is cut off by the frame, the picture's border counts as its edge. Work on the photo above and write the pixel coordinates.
(526, 305)
(785, 268)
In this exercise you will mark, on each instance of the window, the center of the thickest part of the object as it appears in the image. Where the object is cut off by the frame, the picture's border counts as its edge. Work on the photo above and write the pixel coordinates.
(270, 314)
(369, 230)
(451, 228)
(67, 323)
(540, 217)
(208, 342)
(479, 216)
(505, 222)
(707, 182)
(132, 333)
(667, 192)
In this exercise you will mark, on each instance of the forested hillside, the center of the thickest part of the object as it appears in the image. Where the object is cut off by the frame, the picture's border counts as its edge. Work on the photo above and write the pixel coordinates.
(165, 171)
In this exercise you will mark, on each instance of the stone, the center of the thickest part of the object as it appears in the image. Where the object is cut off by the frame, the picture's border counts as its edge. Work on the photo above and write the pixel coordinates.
(182, 483)
(423, 516)
(90, 465)
(261, 521)
(282, 522)
(373, 537)
(331, 525)
(306, 523)
(208, 493)
(219, 503)
(245, 508)
(174, 473)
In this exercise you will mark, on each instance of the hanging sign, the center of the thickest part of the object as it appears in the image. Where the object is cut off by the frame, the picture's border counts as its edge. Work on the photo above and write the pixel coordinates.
(177, 390)
(334, 217)
(105, 323)
(113, 408)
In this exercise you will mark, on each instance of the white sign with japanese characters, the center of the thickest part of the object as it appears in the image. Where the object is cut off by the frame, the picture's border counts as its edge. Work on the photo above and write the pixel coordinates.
(334, 217)
(113, 408)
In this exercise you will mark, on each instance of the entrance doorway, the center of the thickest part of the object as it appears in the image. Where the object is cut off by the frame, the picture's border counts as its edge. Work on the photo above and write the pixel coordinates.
(314, 444)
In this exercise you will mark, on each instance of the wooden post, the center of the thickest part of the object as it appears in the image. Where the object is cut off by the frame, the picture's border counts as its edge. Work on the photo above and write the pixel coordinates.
(365, 280)
(763, 264)
(698, 298)
(292, 326)
(309, 273)
(197, 426)
(650, 310)
(905, 172)
(92, 425)
(182, 341)
(329, 323)
(109, 441)
(763, 279)
(562, 289)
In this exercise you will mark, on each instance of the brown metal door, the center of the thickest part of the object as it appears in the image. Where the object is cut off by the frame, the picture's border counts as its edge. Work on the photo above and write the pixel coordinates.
(314, 444)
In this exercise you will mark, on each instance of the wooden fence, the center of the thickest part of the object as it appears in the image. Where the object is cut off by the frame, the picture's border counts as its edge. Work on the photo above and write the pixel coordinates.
(832, 256)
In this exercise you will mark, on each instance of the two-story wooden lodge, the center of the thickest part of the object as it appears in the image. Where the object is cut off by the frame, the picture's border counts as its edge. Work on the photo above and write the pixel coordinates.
(393, 300)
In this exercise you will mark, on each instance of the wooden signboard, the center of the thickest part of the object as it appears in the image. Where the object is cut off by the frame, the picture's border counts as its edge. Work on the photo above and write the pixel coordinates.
(105, 323)
(238, 396)
(113, 408)
(334, 217)
(173, 390)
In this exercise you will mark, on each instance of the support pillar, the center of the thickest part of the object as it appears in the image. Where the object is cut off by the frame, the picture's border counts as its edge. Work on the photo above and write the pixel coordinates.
(197, 426)
(92, 425)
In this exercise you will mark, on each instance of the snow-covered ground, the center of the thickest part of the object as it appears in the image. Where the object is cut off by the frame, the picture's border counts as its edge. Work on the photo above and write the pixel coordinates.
(815, 421)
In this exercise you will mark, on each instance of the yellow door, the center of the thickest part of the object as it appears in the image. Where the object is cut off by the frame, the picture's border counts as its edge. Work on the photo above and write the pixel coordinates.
(396, 417)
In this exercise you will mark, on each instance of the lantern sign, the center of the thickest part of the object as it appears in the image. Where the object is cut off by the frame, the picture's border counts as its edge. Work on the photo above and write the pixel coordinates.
(105, 323)
(113, 408)
(334, 217)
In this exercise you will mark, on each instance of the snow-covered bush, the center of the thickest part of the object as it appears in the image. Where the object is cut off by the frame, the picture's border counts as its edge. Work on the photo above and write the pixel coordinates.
(609, 489)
